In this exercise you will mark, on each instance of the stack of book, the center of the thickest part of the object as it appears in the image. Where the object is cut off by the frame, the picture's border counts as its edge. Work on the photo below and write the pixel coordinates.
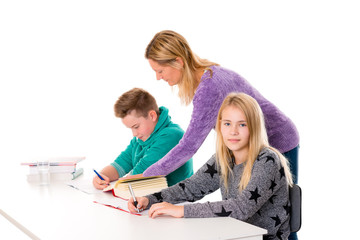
(141, 185)
(61, 168)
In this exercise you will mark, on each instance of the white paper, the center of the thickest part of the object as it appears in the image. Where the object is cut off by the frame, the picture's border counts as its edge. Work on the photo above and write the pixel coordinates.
(84, 185)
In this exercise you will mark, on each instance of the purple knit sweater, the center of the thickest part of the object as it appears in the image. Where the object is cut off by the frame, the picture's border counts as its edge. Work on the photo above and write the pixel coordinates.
(208, 98)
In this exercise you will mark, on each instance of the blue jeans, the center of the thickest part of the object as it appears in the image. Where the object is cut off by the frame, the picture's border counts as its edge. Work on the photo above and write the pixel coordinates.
(292, 156)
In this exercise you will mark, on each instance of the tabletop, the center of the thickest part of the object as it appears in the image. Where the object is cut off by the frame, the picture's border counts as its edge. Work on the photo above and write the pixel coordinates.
(58, 211)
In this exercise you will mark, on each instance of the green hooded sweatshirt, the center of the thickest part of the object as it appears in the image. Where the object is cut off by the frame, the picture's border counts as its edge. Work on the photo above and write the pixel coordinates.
(140, 155)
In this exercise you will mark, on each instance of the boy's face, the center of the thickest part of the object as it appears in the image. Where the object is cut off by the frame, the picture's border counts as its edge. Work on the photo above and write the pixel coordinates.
(140, 126)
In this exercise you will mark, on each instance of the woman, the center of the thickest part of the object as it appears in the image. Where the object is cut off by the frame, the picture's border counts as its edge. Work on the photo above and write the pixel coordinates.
(206, 84)
(254, 178)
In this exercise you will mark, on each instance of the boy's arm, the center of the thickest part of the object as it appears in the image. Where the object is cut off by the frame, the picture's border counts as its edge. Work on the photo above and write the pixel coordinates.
(206, 180)
(110, 172)
(123, 163)
(108, 175)
(165, 141)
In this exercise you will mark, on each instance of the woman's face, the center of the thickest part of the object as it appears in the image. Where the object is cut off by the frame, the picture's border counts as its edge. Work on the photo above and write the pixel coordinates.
(169, 74)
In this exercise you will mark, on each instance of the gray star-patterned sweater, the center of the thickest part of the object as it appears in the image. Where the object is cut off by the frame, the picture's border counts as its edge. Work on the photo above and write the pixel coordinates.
(264, 202)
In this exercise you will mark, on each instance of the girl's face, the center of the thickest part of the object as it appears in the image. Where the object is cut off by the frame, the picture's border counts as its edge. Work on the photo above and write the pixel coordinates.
(235, 131)
(169, 74)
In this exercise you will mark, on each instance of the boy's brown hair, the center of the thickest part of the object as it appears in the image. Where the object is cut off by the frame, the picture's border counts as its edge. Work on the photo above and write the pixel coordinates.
(135, 99)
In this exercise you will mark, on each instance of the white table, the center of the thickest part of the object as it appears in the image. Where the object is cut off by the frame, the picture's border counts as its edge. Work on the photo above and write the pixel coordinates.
(58, 211)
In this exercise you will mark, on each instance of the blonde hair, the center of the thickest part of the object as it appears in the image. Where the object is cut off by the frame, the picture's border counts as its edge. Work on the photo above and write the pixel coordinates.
(168, 45)
(258, 139)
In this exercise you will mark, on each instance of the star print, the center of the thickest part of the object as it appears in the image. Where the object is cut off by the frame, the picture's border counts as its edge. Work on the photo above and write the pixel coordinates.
(211, 170)
(279, 233)
(282, 172)
(287, 208)
(223, 213)
(268, 158)
(258, 158)
(182, 185)
(158, 196)
(259, 212)
(277, 220)
(271, 199)
(254, 195)
(273, 185)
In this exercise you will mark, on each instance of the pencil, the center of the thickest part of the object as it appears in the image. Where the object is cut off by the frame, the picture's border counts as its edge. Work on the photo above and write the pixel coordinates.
(133, 196)
(99, 175)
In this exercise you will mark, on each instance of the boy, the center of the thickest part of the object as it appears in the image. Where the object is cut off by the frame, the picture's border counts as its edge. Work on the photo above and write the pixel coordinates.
(154, 136)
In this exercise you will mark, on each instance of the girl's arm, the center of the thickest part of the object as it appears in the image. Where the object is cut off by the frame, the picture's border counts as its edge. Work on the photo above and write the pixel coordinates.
(266, 180)
(206, 106)
(204, 181)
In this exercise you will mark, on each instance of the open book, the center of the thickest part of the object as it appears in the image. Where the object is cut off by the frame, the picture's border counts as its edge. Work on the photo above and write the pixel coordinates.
(141, 185)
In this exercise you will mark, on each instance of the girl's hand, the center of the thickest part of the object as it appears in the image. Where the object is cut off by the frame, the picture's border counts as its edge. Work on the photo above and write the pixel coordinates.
(101, 184)
(165, 208)
(143, 202)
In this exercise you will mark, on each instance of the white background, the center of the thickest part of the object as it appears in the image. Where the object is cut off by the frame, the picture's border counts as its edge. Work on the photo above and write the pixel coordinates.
(63, 64)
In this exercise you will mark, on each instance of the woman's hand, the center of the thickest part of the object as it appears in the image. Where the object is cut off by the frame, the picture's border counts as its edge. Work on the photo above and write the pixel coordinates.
(142, 204)
(165, 208)
(101, 184)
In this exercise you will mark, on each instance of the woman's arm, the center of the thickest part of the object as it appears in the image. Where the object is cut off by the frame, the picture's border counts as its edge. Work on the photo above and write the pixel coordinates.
(206, 105)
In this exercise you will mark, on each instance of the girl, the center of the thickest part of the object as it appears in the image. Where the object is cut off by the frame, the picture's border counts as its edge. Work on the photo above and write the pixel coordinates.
(206, 84)
(253, 177)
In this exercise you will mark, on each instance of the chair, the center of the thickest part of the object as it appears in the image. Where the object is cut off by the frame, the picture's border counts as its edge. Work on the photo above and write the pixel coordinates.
(295, 212)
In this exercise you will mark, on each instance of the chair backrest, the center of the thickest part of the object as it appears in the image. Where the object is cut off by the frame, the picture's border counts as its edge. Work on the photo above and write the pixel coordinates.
(295, 214)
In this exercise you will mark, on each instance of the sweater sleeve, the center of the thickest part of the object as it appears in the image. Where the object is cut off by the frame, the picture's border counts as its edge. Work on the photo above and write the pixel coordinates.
(164, 143)
(123, 163)
(203, 182)
(206, 104)
(259, 190)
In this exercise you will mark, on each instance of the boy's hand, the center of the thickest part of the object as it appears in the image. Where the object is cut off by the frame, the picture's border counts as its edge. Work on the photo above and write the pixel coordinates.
(143, 202)
(101, 184)
(167, 209)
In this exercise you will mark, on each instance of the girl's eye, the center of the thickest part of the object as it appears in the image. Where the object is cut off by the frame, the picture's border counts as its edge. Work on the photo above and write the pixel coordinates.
(160, 71)
(243, 125)
(227, 124)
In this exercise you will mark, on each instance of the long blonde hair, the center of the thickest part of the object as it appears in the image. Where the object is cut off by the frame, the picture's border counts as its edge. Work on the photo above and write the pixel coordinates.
(168, 45)
(258, 139)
